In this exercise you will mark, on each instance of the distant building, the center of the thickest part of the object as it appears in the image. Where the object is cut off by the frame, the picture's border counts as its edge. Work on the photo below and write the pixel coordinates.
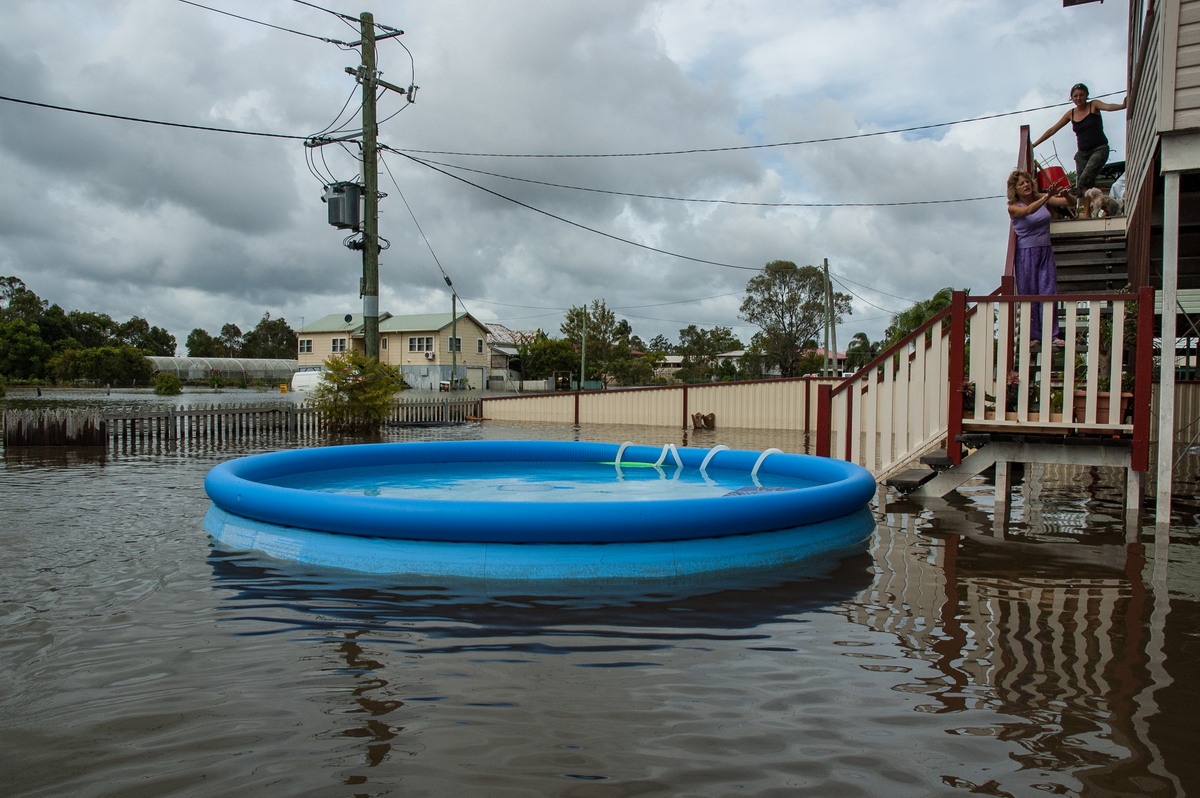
(426, 347)
(505, 345)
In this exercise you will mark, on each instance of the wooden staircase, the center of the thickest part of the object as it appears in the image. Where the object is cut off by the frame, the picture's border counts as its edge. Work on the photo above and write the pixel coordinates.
(1090, 254)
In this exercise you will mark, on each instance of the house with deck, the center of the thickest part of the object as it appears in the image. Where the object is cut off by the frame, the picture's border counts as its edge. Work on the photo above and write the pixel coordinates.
(970, 389)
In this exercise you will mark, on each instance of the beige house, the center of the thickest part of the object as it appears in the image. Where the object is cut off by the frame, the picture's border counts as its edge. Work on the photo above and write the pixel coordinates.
(427, 347)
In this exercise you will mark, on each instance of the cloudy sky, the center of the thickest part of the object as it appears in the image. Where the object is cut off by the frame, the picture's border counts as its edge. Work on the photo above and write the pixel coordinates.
(724, 101)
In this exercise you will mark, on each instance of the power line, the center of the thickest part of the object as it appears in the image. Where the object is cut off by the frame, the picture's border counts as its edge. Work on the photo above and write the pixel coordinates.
(338, 14)
(154, 121)
(679, 301)
(708, 201)
(742, 147)
(569, 221)
(267, 24)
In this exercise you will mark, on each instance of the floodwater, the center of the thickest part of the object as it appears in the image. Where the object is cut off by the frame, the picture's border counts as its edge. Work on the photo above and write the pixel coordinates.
(1055, 653)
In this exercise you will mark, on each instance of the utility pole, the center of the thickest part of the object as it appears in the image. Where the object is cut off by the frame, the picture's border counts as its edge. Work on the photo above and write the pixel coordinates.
(454, 347)
(343, 196)
(583, 348)
(832, 319)
(828, 321)
(370, 165)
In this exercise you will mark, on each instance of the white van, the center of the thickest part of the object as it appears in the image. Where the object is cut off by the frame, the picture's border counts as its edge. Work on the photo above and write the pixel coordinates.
(307, 377)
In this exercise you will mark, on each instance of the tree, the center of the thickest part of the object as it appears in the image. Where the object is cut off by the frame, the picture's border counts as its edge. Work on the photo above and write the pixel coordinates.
(662, 344)
(138, 333)
(271, 338)
(92, 330)
(201, 344)
(56, 328)
(543, 356)
(23, 353)
(752, 365)
(860, 351)
(356, 393)
(18, 302)
(607, 343)
(913, 317)
(108, 365)
(231, 340)
(788, 305)
(633, 370)
(592, 332)
(700, 348)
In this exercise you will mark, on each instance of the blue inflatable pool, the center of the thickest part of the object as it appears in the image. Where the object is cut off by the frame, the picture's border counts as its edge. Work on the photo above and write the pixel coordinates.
(538, 509)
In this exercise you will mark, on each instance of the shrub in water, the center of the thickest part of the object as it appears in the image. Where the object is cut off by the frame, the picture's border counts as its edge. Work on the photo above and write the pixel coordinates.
(356, 393)
(166, 384)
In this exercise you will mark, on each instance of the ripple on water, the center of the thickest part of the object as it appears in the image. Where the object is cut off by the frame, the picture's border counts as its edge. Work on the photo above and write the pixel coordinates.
(138, 660)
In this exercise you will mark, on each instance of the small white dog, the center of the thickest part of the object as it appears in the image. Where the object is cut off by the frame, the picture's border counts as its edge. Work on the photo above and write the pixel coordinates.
(1100, 204)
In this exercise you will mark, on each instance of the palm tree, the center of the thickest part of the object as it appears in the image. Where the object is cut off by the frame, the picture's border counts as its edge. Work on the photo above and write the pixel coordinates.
(860, 351)
(908, 320)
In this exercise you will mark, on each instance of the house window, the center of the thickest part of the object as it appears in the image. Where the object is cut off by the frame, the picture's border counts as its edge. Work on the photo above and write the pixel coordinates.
(479, 346)
(420, 343)
(337, 345)
(453, 344)
(306, 346)
(383, 342)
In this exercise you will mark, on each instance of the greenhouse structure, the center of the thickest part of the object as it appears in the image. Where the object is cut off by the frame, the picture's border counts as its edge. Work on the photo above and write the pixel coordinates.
(203, 368)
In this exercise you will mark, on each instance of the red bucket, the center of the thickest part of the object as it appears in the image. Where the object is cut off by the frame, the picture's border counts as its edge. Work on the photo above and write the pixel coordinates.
(1052, 176)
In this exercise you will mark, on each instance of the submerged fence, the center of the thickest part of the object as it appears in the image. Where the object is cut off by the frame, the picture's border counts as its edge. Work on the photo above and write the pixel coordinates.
(216, 424)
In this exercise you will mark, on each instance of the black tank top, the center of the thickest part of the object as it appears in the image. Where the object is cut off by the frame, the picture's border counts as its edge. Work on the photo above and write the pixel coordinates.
(1089, 132)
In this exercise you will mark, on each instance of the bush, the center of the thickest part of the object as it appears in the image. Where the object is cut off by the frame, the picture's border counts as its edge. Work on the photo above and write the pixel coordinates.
(166, 384)
(356, 394)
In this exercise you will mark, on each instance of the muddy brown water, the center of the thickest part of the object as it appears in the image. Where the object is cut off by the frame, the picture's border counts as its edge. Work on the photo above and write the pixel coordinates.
(1057, 653)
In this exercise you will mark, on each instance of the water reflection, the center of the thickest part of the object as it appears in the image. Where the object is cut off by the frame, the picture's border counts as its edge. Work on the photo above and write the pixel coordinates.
(1052, 654)
(1049, 657)
(1054, 643)
(383, 636)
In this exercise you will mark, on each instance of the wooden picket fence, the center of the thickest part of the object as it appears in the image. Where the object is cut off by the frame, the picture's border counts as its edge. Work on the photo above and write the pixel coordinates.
(208, 425)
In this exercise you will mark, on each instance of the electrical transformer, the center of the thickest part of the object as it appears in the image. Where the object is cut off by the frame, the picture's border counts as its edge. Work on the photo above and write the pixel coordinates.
(342, 199)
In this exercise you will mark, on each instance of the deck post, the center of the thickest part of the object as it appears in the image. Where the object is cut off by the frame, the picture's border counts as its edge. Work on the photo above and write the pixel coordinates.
(1166, 380)
(956, 369)
(824, 419)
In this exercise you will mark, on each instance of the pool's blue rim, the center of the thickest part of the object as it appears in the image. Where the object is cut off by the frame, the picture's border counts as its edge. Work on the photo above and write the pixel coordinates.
(238, 487)
(547, 562)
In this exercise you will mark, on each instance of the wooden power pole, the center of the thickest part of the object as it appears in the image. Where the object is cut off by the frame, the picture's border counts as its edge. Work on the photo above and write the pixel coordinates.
(345, 194)
(370, 165)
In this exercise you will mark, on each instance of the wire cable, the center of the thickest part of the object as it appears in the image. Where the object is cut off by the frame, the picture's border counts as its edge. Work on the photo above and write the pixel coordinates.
(338, 14)
(569, 221)
(342, 44)
(709, 201)
(154, 121)
(743, 147)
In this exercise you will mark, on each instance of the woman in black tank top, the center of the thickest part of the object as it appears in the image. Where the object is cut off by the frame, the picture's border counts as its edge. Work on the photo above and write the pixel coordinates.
(1091, 143)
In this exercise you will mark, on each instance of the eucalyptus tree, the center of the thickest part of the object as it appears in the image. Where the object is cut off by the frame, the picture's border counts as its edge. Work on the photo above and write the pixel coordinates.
(789, 304)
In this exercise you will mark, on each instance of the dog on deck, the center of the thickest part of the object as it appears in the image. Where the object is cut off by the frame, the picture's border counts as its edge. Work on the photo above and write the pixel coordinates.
(1100, 204)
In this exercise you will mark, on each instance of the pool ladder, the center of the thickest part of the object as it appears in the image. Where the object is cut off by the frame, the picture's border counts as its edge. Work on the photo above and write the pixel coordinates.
(669, 449)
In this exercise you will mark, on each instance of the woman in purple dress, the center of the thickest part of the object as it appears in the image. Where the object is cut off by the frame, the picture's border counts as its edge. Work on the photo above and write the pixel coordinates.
(1035, 269)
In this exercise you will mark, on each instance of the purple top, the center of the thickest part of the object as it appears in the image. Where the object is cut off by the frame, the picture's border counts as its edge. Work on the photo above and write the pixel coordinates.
(1033, 230)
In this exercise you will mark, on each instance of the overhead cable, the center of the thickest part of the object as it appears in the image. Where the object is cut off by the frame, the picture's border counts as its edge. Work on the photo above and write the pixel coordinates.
(708, 201)
(737, 148)
(267, 24)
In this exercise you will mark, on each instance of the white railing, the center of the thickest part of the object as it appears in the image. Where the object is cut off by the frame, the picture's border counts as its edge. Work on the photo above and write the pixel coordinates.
(1012, 380)
(895, 408)
(909, 400)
